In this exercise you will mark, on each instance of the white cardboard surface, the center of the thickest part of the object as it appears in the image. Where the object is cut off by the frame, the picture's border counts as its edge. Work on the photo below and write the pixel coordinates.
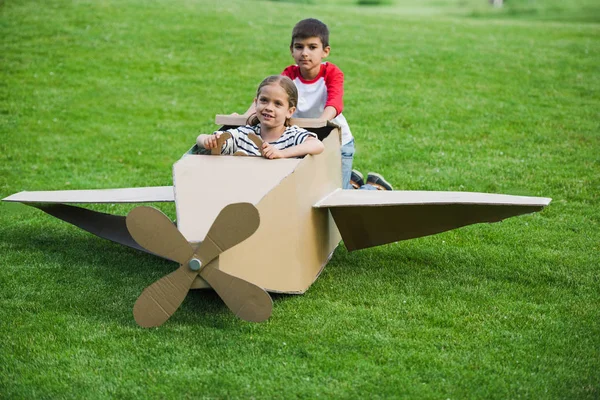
(126, 195)
(205, 184)
(374, 198)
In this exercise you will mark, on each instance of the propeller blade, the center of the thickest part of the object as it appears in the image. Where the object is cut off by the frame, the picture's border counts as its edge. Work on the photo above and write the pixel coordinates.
(160, 300)
(247, 301)
(234, 224)
(154, 231)
(220, 141)
(257, 141)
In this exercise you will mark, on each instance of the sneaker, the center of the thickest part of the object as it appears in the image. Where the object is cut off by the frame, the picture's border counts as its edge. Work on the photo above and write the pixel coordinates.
(356, 179)
(378, 181)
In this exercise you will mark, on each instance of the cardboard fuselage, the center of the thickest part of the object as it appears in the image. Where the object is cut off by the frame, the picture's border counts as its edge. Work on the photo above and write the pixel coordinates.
(294, 240)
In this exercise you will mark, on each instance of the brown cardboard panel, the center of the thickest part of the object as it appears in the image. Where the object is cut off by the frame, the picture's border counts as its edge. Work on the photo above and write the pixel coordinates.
(367, 219)
(246, 300)
(204, 185)
(153, 230)
(217, 150)
(257, 141)
(294, 240)
(156, 232)
(234, 224)
(160, 300)
(106, 226)
(127, 195)
(239, 120)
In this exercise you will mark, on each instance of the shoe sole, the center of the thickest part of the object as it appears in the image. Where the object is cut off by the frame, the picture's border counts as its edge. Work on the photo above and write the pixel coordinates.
(354, 183)
(379, 177)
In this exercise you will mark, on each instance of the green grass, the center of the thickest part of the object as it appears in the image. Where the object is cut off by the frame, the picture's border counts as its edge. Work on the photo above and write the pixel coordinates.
(440, 95)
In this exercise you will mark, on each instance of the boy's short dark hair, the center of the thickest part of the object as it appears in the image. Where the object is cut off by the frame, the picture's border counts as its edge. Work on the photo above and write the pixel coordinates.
(311, 27)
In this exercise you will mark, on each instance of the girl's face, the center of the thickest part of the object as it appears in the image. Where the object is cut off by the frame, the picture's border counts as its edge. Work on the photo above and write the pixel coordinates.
(272, 106)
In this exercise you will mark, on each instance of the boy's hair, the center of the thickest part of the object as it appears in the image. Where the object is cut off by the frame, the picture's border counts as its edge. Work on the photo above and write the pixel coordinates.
(308, 28)
(286, 84)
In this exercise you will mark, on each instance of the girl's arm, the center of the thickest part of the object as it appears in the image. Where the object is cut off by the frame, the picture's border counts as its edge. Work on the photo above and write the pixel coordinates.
(310, 146)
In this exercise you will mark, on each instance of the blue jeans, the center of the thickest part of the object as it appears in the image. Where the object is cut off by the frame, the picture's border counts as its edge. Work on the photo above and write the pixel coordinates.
(348, 151)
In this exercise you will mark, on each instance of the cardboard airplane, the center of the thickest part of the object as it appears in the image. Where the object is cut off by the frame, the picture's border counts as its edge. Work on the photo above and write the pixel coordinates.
(247, 226)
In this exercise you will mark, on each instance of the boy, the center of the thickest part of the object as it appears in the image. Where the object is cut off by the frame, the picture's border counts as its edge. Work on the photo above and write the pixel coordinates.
(321, 90)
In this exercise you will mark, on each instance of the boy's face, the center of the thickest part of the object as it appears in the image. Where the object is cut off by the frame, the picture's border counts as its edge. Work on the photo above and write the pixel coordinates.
(308, 54)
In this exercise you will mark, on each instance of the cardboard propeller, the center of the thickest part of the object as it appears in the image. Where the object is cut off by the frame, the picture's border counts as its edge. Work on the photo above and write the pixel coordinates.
(154, 231)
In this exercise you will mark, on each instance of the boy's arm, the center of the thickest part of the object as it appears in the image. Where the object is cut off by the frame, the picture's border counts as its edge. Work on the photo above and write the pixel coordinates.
(334, 81)
(329, 113)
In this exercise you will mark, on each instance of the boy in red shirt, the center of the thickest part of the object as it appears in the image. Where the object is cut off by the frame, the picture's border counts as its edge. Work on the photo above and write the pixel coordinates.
(321, 90)
(320, 94)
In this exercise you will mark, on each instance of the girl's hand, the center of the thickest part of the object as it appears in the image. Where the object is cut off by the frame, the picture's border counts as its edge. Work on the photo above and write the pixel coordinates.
(270, 152)
(210, 141)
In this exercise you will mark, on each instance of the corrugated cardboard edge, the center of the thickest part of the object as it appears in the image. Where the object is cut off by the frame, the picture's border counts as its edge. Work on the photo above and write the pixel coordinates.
(377, 198)
(125, 195)
(307, 123)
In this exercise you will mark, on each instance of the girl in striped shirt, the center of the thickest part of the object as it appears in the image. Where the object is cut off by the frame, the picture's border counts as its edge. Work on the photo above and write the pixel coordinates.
(275, 102)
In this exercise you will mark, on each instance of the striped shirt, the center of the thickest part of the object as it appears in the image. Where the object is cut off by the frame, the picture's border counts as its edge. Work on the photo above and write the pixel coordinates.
(292, 136)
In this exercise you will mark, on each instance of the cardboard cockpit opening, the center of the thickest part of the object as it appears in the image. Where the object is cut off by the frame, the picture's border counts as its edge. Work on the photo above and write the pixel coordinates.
(322, 128)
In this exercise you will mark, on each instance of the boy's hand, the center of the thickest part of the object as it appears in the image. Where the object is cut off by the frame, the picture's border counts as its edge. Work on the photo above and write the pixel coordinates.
(270, 152)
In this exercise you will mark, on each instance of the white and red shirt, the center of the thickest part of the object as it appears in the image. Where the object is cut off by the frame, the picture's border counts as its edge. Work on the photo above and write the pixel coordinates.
(327, 89)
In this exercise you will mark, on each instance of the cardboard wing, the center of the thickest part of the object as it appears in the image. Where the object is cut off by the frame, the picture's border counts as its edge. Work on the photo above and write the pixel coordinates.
(368, 218)
(107, 226)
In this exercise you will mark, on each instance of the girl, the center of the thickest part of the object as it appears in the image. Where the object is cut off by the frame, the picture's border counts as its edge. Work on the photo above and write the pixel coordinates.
(275, 102)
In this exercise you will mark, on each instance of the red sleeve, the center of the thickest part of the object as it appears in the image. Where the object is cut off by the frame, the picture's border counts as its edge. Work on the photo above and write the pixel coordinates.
(334, 81)
(292, 72)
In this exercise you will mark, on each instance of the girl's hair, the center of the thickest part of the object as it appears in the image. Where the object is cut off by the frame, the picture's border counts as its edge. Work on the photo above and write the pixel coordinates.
(287, 84)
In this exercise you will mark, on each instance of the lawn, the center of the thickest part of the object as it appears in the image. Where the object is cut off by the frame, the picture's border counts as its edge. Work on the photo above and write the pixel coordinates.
(440, 95)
